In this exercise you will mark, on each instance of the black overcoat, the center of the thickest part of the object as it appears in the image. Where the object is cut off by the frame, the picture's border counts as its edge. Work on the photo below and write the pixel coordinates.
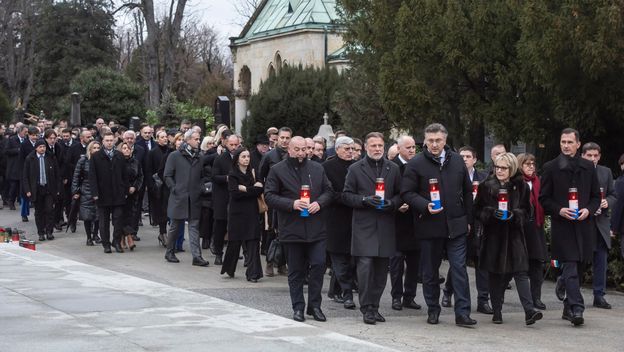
(503, 245)
(617, 214)
(571, 239)
(108, 178)
(14, 166)
(182, 175)
(603, 221)
(282, 188)
(158, 198)
(30, 175)
(373, 230)
(339, 213)
(243, 214)
(220, 194)
(455, 195)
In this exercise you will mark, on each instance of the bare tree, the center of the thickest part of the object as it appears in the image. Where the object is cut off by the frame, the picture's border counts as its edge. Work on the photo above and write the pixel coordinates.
(245, 9)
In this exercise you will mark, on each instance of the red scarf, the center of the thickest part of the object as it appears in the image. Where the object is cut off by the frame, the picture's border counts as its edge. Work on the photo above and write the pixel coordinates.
(539, 211)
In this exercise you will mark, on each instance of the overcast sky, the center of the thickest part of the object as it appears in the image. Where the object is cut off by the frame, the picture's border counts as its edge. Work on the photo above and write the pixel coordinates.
(219, 14)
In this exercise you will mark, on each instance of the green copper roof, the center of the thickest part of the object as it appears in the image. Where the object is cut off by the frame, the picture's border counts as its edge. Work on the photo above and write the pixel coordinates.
(281, 16)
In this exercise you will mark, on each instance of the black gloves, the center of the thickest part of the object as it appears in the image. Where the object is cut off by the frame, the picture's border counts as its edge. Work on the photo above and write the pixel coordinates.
(387, 206)
(371, 201)
(499, 215)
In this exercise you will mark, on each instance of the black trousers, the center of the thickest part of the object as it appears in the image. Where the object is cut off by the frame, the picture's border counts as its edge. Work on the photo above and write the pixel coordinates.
(536, 278)
(303, 258)
(572, 281)
(372, 273)
(431, 254)
(91, 227)
(13, 191)
(407, 262)
(254, 266)
(44, 211)
(344, 272)
(105, 213)
(218, 235)
(205, 224)
(482, 282)
(498, 285)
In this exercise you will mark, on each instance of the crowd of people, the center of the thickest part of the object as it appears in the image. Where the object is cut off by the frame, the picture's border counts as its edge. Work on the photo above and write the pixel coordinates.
(361, 208)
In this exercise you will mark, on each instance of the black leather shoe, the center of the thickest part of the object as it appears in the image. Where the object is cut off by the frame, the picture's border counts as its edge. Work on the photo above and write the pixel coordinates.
(317, 313)
(118, 248)
(538, 304)
(24, 218)
(369, 317)
(567, 314)
(560, 289)
(441, 280)
(42, 238)
(433, 318)
(532, 316)
(136, 238)
(485, 309)
(49, 237)
(396, 304)
(298, 315)
(72, 228)
(464, 320)
(601, 302)
(89, 242)
(107, 249)
(446, 300)
(97, 239)
(349, 304)
(199, 261)
(577, 319)
(171, 258)
(218, 260)
(497, 318)
(411, 304)
(379, 317)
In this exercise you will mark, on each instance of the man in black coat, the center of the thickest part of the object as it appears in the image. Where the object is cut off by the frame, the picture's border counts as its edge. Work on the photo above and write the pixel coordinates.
(261, 148)
(221, 196)
(469, 155)
(26, 148)
(277, 154)
(139, 153)
(602, 224)
(304, 237)
(41, 184)
(109, 184)
(373, 223)
(14, 167)
(442, 228)
(183, 176)
(338, 224)
(571, 228)
(54, 148)
(407, 259)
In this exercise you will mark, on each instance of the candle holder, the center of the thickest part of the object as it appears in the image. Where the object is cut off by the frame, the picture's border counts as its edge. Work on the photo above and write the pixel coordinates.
(434, 193)
(304, 195)
(380, 191)
(503, 203)
(573, 202)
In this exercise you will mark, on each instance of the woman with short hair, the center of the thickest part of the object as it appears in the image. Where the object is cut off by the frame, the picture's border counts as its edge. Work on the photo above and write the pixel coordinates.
(81, 190)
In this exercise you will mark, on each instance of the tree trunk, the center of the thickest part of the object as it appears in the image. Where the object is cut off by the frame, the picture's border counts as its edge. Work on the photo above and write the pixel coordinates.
(172, 35)
(151, 52)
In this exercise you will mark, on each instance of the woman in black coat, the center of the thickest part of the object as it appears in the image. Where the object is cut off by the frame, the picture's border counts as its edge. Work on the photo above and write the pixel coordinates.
(81, 190)
(534, 231)
(243, 217)
(206, 218)
(158, 193)
(503, 247)
(132, 211)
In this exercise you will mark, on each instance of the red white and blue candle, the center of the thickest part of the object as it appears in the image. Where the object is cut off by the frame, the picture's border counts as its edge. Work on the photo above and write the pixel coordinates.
(304, 196)
(503, 202)
(573, 201)
(380, 190)
(434, 193)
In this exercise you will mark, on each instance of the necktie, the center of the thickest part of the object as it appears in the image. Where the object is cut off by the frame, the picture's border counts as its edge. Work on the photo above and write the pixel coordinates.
(42, 174)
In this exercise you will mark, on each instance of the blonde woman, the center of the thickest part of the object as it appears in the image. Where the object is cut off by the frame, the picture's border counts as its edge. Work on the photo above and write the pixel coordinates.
(81, 190)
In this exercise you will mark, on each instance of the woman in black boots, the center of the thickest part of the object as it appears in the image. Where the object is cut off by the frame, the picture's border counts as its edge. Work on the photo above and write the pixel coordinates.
(243, 217)
(502, 205)
(81, 190)
(132, 209)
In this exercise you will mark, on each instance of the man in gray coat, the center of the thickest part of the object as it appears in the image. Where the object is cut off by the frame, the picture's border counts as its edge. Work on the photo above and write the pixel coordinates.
(373, 223)
(591, 152)
(183, 175)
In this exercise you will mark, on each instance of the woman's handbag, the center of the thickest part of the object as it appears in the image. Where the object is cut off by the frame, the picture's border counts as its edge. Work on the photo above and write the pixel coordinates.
(206, 188)
(275, 253)
(158, 183)
(262, 205)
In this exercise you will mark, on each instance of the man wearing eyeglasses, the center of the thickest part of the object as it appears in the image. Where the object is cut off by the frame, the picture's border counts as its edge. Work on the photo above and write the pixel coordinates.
(570, 193)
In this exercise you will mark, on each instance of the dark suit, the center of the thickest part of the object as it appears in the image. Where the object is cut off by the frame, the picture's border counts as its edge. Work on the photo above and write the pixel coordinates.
(603, 233)
(13, 173)
(474, 243)
(26, 148)
(109, 182)
(445, 231)
(373, 239)
(571, 239)
(220, 199)
(42, 195)
(407, 259)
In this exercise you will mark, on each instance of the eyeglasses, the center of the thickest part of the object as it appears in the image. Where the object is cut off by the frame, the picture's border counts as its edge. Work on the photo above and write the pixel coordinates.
(503, 168)
(529, 164)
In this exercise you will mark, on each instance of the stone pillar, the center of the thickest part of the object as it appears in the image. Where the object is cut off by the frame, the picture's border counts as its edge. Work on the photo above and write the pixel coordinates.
(240, 106)
(75, 109)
